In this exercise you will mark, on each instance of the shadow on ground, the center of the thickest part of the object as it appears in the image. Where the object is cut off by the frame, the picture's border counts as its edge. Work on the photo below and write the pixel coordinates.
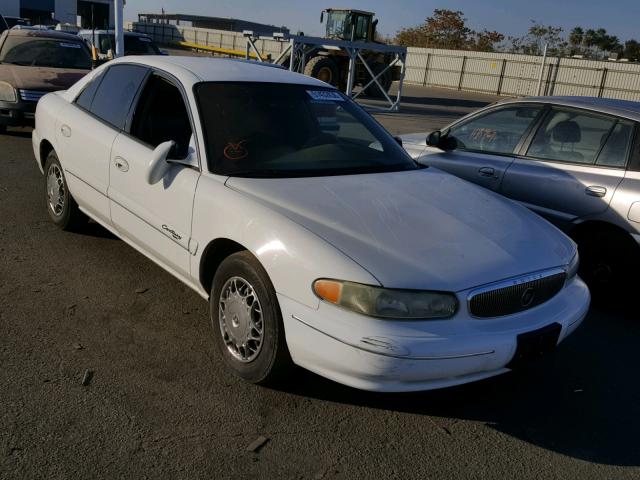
(583, 401)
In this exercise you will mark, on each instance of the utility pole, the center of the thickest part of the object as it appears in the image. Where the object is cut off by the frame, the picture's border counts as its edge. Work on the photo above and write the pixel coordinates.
(544, 61)
(118, 6)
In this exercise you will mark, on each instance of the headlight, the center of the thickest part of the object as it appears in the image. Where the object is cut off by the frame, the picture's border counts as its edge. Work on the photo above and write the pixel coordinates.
(387, 303)
(7, 93)
(572, 267)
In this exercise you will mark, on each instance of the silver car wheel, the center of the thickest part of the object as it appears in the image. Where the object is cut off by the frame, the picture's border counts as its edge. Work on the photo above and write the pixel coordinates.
(241, 320)
(55, 190)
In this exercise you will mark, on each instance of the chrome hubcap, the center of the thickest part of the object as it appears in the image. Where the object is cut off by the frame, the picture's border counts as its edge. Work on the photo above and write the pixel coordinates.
(241, 321)
(55, 190)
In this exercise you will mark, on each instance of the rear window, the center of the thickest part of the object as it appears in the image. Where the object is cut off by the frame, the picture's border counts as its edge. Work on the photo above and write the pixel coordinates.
(133, 45)
(45, 52)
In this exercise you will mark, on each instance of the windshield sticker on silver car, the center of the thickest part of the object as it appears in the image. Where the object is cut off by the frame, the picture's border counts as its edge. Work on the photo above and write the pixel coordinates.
(70, 45)
(325, 95)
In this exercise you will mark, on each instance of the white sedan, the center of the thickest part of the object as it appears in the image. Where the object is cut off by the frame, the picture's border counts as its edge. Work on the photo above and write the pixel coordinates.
(315, 238)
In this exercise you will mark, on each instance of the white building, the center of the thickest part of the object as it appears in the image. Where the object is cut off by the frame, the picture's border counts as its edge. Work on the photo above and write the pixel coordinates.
(87, 14)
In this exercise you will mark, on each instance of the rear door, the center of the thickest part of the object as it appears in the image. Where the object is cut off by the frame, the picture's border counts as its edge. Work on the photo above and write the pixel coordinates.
(483, 146)
(156, 217)
(87, 129)
(572, 165)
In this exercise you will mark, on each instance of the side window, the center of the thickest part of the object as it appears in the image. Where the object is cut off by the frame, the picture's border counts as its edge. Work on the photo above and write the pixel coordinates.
(161, 115)
(86, 97)
(117, 90)
(571, 136)
(615, 151)
(497, 132)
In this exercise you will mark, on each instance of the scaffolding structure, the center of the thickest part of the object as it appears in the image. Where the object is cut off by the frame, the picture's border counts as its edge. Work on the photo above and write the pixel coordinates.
(299, 46)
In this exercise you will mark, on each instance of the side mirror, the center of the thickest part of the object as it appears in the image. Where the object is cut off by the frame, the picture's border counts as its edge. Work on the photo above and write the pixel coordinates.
(158, 165)
(434, 139)
(164, 52)
(398, 140)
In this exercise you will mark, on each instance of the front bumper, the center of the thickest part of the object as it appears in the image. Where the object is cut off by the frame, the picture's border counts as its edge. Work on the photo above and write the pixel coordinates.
(395, 356)
(18, 114)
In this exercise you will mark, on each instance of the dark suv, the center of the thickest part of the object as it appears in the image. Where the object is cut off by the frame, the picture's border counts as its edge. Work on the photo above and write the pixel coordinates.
(32, 64)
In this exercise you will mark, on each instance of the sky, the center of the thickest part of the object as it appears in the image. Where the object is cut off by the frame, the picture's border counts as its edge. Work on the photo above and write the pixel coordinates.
(510, 17)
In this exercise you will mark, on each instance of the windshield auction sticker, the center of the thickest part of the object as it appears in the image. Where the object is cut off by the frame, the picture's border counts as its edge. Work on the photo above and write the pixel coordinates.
(325, 95)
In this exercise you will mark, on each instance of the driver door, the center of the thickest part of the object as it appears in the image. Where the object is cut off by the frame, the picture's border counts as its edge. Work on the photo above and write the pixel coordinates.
(156, 217)
(484, 145)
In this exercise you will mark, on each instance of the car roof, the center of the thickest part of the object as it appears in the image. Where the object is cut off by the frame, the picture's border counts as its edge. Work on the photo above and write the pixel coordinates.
(191, 70)
(112, 32)
(43, 33)
(622, 108)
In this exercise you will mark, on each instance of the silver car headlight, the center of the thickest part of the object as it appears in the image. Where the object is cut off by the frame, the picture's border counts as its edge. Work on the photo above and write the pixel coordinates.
(7, 93)
(573, 266)
(387, 303)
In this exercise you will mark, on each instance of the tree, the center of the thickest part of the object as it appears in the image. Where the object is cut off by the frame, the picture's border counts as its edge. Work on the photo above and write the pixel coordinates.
(486, 41)
(632, 50)
(576, 36)
(447, 29)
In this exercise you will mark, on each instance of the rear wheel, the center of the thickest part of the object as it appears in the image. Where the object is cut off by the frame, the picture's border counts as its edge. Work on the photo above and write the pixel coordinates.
(609, 259)
(62, 208)
(323, 68)
(247, 322)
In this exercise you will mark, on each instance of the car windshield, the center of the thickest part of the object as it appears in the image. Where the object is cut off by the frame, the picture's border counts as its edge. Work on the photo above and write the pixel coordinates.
(45, 52)
(133, 45)
(275, 130)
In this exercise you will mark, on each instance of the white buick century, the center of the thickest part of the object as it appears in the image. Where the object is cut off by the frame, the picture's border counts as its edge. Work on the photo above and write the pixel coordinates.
(315, 238)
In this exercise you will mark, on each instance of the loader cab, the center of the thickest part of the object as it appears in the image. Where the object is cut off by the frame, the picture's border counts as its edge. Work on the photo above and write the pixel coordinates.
(350, 25)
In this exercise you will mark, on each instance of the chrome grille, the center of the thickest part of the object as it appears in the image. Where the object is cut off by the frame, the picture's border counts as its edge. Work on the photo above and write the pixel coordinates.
(31, 95)
(516, 295)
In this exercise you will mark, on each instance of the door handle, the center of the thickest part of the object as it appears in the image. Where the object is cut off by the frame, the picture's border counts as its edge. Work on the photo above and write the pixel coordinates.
(486, 172)
(121, 164)
(595, 191)
(65, 130)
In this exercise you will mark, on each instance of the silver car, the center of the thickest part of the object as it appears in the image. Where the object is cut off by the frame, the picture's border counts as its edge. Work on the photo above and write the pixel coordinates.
(573, 160)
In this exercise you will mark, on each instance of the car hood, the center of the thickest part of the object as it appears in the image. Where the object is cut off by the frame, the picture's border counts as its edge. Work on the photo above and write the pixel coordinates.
(421, 229)
(40, 78)
(414, 138)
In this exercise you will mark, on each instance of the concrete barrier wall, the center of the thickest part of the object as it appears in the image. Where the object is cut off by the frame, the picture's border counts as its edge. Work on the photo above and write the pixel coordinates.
(492, 73)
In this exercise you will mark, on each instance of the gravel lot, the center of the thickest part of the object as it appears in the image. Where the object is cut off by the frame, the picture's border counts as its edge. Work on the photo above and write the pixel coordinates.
(159, 404)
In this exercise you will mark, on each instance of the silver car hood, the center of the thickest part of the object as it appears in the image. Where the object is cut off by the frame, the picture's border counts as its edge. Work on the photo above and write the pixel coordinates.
(421, 229)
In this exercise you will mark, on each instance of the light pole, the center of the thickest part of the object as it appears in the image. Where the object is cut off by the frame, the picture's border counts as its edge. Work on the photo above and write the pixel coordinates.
(118, 6)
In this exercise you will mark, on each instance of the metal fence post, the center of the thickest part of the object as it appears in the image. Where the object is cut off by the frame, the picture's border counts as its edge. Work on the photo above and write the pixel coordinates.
(603, 81)
(426, 69)
(544, 61)
(464, 63)
(501, 80)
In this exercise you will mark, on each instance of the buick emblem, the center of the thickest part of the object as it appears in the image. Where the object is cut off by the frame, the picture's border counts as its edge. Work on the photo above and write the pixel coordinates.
(527, 297)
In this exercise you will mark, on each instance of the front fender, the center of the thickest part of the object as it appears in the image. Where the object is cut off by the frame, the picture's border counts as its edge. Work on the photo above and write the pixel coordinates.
(292, 255)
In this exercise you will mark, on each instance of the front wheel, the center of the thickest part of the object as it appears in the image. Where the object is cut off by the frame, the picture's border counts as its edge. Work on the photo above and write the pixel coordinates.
(609, 262)
(247, 322)
(62, 208)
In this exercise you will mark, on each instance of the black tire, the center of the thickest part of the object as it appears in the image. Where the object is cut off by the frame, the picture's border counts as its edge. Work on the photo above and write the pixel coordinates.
(609, 260)
(385, 81)
(272, 362)
(323, 68)
(64, 212)
(3, 129)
